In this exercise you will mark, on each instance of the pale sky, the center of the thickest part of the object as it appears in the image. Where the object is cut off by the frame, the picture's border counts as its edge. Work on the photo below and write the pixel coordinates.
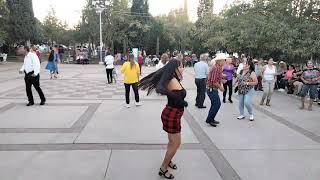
(70, 10)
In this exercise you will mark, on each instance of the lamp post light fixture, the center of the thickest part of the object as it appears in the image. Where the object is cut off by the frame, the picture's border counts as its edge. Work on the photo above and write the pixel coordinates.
(100, 6)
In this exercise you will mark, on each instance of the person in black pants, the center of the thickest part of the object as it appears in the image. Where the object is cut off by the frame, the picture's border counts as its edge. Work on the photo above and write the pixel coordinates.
(201, 70)
(109, 61)
(31, 68)
(201, 92)
(135, 90)
(228, 71)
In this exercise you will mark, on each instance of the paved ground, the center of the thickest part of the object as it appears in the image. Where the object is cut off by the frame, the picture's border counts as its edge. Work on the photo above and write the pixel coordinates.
(84, 132)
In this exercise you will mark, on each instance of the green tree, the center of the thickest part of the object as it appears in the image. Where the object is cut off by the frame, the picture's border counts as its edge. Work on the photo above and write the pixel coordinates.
(22, 23)
(3, 22)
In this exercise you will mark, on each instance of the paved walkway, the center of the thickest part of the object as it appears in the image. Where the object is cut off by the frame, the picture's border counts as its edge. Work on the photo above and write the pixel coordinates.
(84, 132)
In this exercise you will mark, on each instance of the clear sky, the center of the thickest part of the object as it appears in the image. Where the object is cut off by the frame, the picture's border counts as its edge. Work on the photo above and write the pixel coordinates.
(70, 10)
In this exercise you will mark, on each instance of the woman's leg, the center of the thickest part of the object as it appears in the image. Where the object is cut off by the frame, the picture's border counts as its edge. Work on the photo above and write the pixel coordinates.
(266, 87)
(109, 75)
(127, 88)
(271, 89)
(241, 104)
(230, 90)
(303, 93)
(313, 95)
(248, 101)
(136, 92)
(173, 145)
(225, 85)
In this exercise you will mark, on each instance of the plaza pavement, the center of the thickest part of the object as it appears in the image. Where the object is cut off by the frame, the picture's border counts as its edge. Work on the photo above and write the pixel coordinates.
(85, 133)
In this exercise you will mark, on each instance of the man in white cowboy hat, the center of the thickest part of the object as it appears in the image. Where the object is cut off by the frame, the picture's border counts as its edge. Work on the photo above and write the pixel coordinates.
(215, 83)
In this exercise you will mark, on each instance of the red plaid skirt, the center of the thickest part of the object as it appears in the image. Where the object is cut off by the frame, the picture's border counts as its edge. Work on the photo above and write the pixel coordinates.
(171, 119)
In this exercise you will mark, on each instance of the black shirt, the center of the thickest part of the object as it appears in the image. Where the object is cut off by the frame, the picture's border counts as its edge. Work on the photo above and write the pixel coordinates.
(176, 98)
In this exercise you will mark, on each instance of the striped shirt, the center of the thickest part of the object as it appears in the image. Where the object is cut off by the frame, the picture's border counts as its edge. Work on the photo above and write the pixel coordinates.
(215, 76)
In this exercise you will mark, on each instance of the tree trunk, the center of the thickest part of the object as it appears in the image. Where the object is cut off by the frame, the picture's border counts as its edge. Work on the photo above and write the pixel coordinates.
(157, 50)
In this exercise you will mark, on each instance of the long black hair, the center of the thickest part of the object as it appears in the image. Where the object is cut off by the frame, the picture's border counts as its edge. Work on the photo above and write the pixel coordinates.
(51, 56)
(159, 80)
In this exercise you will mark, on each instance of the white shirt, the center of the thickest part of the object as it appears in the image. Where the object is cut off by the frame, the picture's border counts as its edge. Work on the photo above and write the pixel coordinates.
(31, 63)
(269, 74)
(160, 65)
(109, 60)
(240, 67)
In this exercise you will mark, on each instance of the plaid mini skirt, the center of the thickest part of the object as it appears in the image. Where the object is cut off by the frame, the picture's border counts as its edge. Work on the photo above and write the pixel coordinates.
(171, 119)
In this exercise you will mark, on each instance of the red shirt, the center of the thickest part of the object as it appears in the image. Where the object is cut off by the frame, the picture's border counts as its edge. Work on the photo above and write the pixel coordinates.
(140, 60)
(215, 76)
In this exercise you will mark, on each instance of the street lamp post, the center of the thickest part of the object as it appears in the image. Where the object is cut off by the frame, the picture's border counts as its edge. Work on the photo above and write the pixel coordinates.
(100, 6)
(100, 10)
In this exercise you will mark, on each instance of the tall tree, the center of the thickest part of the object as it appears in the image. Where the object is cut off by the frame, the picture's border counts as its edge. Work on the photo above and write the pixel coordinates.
(22, 23)
(3, 22)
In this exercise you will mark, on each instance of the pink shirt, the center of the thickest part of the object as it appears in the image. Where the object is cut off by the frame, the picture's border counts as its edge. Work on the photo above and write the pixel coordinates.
(289, 74)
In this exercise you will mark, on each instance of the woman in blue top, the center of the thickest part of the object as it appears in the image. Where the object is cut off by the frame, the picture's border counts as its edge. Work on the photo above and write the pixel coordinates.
(51, 65)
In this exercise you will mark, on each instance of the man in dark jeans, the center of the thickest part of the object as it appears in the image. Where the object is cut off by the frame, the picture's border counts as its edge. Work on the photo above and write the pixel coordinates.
(201, 72)
(214, 85)
(31, 68)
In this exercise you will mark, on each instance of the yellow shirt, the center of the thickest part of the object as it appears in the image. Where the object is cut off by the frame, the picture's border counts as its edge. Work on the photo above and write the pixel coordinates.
(131, 75)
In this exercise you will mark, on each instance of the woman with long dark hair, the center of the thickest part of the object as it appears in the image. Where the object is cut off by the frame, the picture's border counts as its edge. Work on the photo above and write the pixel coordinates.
(166, 81)
(51, 65)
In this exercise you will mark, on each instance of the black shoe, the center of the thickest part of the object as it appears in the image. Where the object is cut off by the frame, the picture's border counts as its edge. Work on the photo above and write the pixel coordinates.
(212, 124)
(216, 122)
(30, 104)
(42, 103)
(201, 107)
(196, 105)
(224, 100)
(230, 100)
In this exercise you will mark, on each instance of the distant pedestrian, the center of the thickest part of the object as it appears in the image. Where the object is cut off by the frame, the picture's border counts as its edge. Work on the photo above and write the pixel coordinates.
(163, 61)
(109, 61)
(246, 80)
(258, 67)
(131, 72)
(215, 83)
(140, 61)
(201, 70)
(56, 58)
(269, 80)
(31, 68)
(166, 81)
(228, 71)
(51, 65)
(310, 78)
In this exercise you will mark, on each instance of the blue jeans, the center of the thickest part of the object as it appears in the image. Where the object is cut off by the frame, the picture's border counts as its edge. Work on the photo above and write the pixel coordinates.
(245, 100)
(215, 104)
(312, 89)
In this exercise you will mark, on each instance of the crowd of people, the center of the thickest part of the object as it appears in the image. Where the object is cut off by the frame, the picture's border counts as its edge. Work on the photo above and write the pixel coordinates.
(224, 73)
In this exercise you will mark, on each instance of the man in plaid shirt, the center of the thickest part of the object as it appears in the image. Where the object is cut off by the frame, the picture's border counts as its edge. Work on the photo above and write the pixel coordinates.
(214, 84)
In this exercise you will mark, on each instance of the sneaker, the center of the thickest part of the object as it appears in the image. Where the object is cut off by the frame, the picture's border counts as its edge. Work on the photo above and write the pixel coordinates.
(241, 117)
(251, 118)
(281, 90)
(127, 106)
(138, 104)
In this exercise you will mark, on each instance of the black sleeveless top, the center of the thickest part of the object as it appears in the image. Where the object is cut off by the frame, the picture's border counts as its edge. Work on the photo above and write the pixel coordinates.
(176, 98)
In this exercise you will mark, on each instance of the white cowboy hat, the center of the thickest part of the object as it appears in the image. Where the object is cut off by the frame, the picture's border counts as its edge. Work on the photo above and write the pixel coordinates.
(220, 56)
(255, 60)
(281, 62)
